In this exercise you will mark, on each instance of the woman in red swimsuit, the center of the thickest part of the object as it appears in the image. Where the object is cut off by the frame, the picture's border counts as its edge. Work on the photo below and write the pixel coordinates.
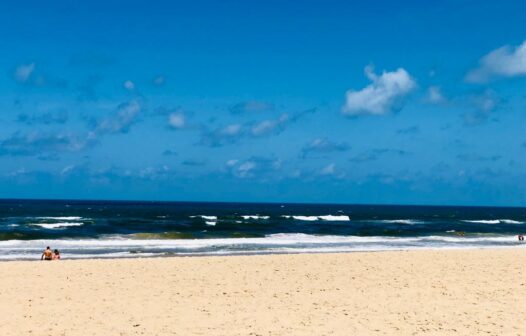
(56, 255)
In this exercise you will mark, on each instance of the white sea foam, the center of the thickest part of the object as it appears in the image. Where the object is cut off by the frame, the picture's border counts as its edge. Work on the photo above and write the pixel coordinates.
(255, 217)
(483, 221)
(510, 221)
(493, 221)
(306, 218)
(401, 221)
(56, 225)
(210, 218)
(335, 218)
(123, 246)
(211, 223)
(315, 218)
(71, 218)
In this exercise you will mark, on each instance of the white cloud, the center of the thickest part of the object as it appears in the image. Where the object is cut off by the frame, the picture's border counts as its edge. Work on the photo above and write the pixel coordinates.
(383, 95)
(434, 95)
(245, 169)
(24, 71)
(67, 169)
(127, 114)
(328, 169)
(129, 85)
(177, 120)
(231, 130)
(253, 167)
(324, 145)
(507, 61)
(269, 126)
(232, 162)
(159, 80)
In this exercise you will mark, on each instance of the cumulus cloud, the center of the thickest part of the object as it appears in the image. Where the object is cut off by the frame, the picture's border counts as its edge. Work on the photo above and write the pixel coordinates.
(270, 126)
(129, 85)
(222, 135)
(324, 145)
(254, 129)
(383, 95)
(253, 167)
(435, 96)
(328, 169)
(152, 173)
(504, 62)
(176, 120)
(126, 115)
(37, 143)
(251, 106)
(68, 169)
(23, 72)
(47, 145)
(159, 80)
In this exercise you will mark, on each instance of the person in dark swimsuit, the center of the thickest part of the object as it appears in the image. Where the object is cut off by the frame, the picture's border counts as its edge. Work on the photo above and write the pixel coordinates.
(47, 254)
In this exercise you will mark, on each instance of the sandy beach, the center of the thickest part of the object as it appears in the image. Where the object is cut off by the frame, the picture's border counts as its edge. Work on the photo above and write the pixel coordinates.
(462, 292)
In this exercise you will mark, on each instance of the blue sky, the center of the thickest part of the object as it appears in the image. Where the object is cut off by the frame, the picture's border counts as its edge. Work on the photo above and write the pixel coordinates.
(320, 101)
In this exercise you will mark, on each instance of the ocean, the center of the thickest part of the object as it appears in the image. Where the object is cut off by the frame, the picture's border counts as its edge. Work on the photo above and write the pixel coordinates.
(124, 229)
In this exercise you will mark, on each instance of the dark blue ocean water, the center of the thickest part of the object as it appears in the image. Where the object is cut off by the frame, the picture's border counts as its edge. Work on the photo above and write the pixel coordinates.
(83, 229)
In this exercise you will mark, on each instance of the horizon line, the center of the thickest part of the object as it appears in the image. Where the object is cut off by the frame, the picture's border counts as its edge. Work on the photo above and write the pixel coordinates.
(2, 199)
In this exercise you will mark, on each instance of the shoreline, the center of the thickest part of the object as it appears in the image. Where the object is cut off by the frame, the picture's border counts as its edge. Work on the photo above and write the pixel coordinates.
(468, 291)
(243, 254)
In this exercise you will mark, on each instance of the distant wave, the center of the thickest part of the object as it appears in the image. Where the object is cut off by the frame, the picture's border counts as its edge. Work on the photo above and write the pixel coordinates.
(315, 218)
(335, 218)
(493, 221)
(211, 223)
(510, 221)
(255, 217)
(401, 221)
(303, 218)
(210, 218)
(72, 218)
(57, 225)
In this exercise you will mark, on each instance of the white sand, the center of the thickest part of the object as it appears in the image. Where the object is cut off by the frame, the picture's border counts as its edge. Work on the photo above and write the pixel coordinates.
(461, 292)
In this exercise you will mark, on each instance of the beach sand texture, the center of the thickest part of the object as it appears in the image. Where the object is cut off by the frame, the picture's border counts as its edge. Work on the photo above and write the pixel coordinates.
(448, 292)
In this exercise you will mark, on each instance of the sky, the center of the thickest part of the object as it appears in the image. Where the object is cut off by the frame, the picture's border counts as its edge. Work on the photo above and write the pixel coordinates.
(406, 102)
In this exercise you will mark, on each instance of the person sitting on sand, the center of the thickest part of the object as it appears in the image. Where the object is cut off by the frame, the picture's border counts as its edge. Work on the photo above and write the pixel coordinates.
(47, 254)
(56, 255)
